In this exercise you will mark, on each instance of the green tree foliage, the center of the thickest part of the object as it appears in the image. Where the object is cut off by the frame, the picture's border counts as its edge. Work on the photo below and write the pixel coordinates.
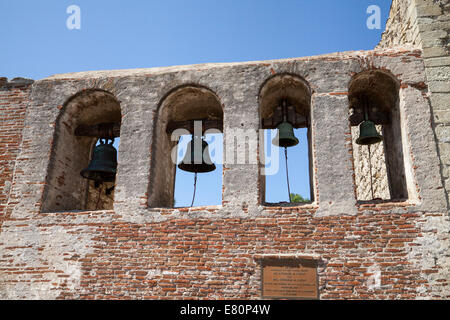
(296, 198)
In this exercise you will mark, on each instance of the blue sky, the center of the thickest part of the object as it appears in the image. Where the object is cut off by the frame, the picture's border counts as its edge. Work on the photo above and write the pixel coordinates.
(141, 34)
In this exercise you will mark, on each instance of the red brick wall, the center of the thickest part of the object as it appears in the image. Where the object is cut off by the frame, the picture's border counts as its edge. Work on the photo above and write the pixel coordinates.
(13, 104)
(214, 258)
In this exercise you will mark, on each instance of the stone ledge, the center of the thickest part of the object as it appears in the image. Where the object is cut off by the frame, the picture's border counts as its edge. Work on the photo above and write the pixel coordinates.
(440, 96)
(438, 73)
(437, 62)
(287, 256)
(442, 117)
(169, 211)
(428, 11)
(14, 83)
(391, 51)
(435, 25)
(434, 52)
(289, 206)
(379, 205)
(76, 213)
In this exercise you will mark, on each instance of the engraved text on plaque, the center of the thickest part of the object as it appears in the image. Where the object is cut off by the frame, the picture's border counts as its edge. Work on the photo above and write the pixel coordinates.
(289, 279)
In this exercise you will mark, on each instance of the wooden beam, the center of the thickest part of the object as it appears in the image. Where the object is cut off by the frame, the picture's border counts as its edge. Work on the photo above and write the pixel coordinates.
(297, 120)
(188, 125)
(376, 117)
(102, 130)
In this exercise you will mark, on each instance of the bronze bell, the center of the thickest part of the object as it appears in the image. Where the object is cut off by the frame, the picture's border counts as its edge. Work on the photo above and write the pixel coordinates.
(368, 133)
(204, 163)
(285, 137)
(103, 165)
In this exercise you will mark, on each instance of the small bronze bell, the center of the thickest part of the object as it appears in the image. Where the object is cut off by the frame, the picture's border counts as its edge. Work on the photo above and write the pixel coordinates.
(368, 133)
(103, 165)
(285, 137)
(204, 163)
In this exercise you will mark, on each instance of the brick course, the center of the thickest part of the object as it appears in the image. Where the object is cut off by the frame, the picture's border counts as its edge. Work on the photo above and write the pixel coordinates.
(139, 251)
(13, 103)
(215, 258)
(426, 24)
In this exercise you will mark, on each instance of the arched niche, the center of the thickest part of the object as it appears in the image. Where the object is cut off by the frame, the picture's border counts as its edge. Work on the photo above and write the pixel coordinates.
(297, 93)
(378, 90)
(177, 110)
(65, 189)
(294, 89)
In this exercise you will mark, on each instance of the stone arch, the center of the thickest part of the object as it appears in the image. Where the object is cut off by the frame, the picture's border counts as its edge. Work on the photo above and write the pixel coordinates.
(294, 88)
(65, 189)
(379, 91)
(380, 86)
(181, 104)
(297, 93)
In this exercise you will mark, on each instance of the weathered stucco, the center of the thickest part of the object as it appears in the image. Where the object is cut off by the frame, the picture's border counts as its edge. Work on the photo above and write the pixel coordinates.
(143, 249)
(426, 25)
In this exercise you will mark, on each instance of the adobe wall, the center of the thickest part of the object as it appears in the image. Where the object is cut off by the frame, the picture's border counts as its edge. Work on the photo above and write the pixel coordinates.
(425, 24)
(138, 251)
(13, 102)
(363, 249)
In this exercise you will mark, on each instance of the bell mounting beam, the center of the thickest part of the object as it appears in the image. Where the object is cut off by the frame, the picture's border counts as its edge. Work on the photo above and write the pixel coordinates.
(364, 108)
(376, 117)
(187, 125)
(104, 130)
(297, 120)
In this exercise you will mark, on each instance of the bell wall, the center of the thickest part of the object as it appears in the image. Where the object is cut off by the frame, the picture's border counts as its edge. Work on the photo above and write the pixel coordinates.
(425, 24)
(138, 251)
(52, 248)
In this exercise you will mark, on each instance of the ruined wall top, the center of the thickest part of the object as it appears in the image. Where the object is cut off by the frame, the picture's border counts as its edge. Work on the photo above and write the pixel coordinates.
(425, 24)
(411, 22)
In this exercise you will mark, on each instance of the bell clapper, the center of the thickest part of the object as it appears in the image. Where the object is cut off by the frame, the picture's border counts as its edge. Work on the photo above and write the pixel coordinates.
(197, 149)
(195, 187)
(287, 174)
(368, 135)
(370, 172)
(99, 193)
(285, 150)
(110, 190)
(103, 164)
(366, 114)
(285, 138)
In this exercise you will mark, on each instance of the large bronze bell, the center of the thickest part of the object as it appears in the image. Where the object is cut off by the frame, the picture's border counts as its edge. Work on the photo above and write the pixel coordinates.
(285, 137)
(368, 133)
(103, 165)
(195, 162)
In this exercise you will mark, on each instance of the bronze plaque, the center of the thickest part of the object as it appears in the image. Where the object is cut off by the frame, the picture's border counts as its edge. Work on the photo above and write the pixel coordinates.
(289, 279)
